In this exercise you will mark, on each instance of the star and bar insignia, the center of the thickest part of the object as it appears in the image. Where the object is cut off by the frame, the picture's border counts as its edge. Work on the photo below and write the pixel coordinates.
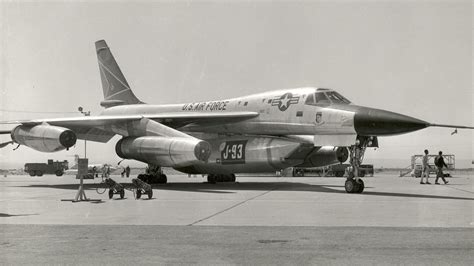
(284, 101)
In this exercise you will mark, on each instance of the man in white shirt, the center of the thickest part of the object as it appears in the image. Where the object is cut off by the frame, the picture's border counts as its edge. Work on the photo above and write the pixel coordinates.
(426, 169)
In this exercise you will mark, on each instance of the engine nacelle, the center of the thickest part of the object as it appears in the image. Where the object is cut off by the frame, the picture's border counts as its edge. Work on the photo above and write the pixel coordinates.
(326, 156)
(164, 151)
(44, 138)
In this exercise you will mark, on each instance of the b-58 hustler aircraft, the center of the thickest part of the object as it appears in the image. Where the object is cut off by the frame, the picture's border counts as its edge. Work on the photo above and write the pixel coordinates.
(302, 127)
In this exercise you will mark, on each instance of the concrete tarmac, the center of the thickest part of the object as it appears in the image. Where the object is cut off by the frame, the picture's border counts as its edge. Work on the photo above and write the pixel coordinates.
(259, 220)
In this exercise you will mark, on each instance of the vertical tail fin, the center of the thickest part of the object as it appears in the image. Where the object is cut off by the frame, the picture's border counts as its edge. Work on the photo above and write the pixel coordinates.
(115, 86)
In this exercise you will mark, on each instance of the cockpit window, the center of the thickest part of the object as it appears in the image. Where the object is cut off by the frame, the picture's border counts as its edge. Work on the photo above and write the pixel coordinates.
(317, 99)
(325, 98)
(310, 99)
(321, 98)
(337, 98)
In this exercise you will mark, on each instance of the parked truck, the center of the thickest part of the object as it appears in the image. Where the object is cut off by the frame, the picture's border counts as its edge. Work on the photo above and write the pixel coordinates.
(52, 167)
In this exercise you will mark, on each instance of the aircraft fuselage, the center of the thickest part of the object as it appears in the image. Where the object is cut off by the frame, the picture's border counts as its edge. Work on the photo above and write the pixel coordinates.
(286, 112)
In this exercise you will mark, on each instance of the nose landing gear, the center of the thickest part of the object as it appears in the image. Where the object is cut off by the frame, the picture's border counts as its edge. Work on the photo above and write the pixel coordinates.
(354, 184)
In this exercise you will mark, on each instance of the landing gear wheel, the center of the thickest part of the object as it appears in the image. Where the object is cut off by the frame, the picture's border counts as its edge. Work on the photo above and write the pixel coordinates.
(122, 194)
(225, 178)
(351, 186)
(361, 186)
(139, 193)
(111, 193)
(162, 179)
(297, 172)
(143, 178)
(150, 193)
(211, 179)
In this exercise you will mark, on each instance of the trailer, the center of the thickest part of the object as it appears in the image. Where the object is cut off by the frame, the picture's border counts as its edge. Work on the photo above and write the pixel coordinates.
(337, 170)
(142, 188)
(49, 168)
(415, 169)
(114, 188)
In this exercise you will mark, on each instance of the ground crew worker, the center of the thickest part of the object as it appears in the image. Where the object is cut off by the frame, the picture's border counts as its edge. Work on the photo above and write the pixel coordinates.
(439, 162)
(426, 169)
(127, 171)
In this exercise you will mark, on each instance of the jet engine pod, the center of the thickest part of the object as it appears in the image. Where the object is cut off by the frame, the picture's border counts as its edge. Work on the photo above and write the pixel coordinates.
(326, 156)
(44, 138)
(164, 151)
(342, 154)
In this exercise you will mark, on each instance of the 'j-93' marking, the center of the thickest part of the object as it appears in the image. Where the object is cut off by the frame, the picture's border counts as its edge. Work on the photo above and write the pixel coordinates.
(233, 152)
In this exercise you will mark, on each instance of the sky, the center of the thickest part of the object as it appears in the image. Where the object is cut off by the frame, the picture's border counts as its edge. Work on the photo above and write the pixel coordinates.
(410, 57)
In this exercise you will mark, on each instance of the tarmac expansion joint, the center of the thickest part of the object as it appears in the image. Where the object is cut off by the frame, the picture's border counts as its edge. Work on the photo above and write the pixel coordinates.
(232, 207)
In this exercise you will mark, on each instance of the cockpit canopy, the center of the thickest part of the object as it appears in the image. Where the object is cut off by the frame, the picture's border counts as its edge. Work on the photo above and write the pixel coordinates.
(326, 97)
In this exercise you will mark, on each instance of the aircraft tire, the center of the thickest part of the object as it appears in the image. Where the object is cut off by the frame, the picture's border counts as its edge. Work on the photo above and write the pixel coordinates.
(162, 179)
(351, 186)
(111, 193)
(139, 194)
(122, 194)
(150, 193)
(143, 177)
(360, 186)
(225, 178)
(39, 173)
(211, 179)
(32, 173)
(297, 172)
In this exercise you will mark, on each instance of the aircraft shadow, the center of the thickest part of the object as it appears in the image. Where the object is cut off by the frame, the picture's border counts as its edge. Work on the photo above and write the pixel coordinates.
(287, 186)
(6, 215)
(225, 188)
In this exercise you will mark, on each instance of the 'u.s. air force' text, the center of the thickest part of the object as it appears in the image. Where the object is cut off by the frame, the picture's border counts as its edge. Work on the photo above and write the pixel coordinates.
(205, 106)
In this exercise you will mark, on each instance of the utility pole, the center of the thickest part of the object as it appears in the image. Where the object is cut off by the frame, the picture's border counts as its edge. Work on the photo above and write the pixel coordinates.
(88, 113)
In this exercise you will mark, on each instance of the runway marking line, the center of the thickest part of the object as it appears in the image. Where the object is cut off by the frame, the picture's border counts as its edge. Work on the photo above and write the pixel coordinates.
(232, 207)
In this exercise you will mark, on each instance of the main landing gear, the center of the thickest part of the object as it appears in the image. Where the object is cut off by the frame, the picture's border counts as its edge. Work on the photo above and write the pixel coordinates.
(214, 178)
(354, 184)
(153, 175)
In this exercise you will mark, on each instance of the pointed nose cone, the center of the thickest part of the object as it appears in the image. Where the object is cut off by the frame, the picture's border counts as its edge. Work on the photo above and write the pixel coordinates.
(375, 122)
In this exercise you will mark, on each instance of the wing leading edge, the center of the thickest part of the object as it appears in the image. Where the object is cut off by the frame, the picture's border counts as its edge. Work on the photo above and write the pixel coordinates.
(94, 127)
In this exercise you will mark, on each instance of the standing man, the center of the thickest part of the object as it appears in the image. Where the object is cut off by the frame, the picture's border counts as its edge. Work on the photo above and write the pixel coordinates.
(426, 169)
(439, 162)
(127, 171)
